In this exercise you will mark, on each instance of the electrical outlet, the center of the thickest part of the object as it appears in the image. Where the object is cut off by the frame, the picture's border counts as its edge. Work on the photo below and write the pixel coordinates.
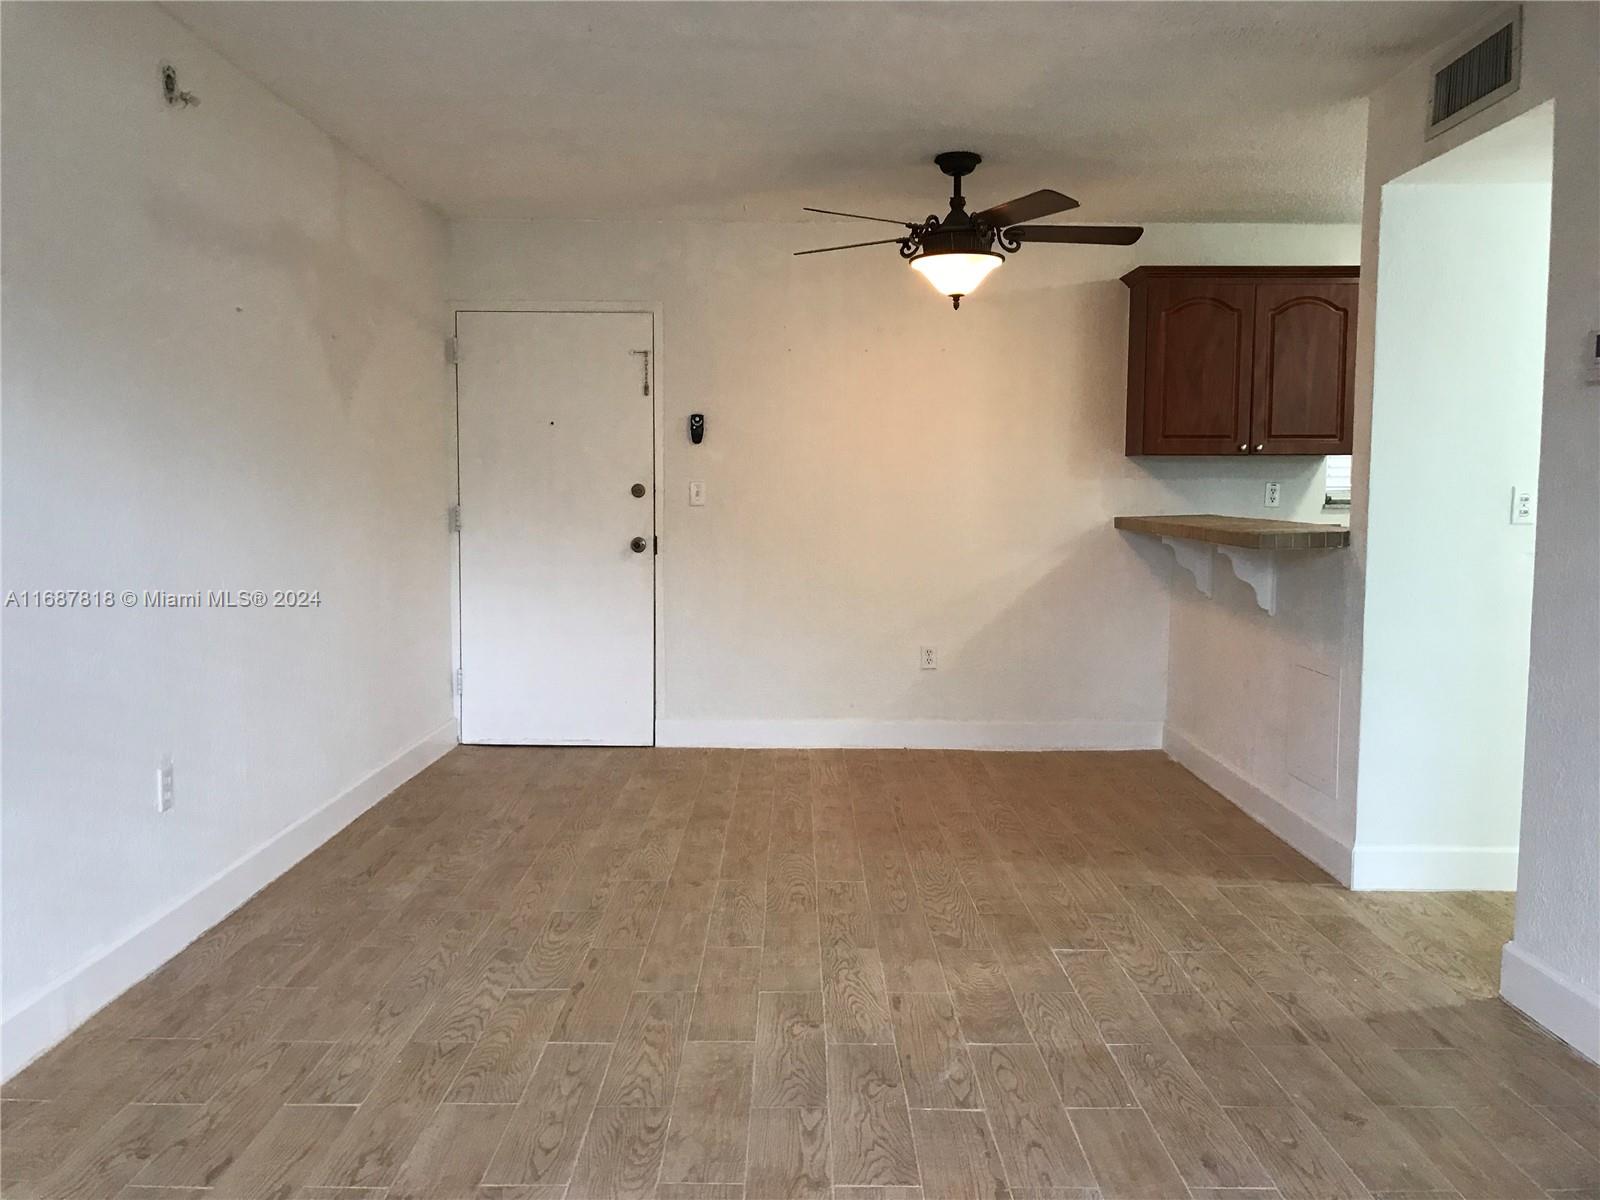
(697, 492)
(1523, 506)
(1274, 495)
(164, 793)
(929, 659)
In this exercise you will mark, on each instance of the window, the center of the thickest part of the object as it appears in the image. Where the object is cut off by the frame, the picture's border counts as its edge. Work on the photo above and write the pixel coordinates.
(1337, 487)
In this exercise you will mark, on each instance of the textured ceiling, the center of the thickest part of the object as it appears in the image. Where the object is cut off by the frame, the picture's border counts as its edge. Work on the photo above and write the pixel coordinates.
(1187, 111)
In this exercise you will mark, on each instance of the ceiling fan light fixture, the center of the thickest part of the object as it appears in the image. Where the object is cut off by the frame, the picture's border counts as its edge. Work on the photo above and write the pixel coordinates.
(956, 273)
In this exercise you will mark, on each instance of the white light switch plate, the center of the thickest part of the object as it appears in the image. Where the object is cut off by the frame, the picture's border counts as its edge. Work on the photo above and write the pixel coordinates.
(164, 787)
(697, 492)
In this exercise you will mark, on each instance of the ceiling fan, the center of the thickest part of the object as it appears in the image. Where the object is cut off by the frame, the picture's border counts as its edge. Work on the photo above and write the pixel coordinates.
(957, 252)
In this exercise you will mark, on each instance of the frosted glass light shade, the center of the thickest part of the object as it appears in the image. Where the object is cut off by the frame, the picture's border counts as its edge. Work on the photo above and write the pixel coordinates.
(956, 274)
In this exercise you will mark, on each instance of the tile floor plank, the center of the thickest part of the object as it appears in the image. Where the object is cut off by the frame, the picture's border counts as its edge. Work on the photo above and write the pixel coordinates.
(223, 1127)
(644, 1068)
(788, 1154)
(621, 1157)
(958, 1155)
(372, 1146)
(870, 1124)
(791, 1066)
(1036, 1140)
(502, 1060)
(707, 1137)
(1204, 1146)
(1080, 1064)
(933, 1058)
(543, 1133)
(1296, 1155)
(597, 1001)
(725, 1001)
(550, 974)
(452, 1152)
(1127, 1158)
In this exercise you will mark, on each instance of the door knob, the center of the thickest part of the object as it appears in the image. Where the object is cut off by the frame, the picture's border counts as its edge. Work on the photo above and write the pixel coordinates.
(638, 545)
(637, 489)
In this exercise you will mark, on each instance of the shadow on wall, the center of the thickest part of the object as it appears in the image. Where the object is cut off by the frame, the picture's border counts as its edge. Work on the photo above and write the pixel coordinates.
(328, 276)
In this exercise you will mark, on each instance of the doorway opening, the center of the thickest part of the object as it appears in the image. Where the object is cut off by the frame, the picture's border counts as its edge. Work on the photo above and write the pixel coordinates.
(1463, 271)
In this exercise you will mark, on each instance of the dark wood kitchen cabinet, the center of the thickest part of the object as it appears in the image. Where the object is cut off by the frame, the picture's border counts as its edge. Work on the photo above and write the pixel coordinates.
(1241, 360)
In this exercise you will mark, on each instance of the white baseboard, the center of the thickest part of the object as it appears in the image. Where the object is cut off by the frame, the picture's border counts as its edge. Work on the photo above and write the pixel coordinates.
(921, 735)
(1433, 868)
(1322, 847)
(1567, 1010)
(41, 1020)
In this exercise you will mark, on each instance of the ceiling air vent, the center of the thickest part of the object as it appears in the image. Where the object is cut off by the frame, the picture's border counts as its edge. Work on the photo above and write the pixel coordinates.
(1470, 82)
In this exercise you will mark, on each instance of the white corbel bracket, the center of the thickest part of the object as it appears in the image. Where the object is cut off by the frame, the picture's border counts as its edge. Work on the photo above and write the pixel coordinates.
(1256, 568)
(1193, 557)
(1259, 569)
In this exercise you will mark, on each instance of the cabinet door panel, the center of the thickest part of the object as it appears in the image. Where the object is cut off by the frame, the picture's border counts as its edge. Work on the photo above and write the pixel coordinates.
(1197, 367)
(1304, 367)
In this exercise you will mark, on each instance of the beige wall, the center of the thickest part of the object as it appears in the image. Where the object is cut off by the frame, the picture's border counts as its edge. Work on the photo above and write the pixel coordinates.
(222, 371)
(1253, 700)
(883, 473)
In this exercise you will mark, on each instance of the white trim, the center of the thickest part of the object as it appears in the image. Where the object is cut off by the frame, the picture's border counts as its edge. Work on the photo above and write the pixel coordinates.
(1321, 846)
(1561, 1005)
(42, 1019)
(924, 735)
(1433, 868)
(658, 414)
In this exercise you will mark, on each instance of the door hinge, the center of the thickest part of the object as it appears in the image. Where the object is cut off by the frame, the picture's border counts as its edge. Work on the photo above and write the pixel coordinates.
(645, 362)
(657, 541)
(455, 682)
(452, 350)
(455, 518)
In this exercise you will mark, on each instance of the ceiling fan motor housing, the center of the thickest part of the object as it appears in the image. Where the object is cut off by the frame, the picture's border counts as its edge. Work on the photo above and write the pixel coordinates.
(958, 239)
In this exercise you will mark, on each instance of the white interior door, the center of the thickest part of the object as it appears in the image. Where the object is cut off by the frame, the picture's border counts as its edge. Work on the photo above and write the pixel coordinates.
(557, 552)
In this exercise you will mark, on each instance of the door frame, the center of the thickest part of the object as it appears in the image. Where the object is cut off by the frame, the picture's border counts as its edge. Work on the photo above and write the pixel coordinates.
(653, 309)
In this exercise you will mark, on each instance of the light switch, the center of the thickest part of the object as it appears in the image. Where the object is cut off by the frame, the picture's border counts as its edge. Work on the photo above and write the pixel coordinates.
(697, 492)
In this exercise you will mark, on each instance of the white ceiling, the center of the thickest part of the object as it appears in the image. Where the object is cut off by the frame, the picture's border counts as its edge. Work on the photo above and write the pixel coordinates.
(1187, 111)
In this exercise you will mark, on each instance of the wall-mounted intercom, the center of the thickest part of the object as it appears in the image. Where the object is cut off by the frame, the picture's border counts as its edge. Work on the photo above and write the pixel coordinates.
(697, 427)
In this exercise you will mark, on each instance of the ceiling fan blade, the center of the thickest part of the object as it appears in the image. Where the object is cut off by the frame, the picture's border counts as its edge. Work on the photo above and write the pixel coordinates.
(1083, 235)
(850, 246)
(1043, 203)
(828, 212)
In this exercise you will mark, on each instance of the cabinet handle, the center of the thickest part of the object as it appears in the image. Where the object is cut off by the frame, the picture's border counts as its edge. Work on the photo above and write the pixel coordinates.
(1260, 447)
(1244, 449)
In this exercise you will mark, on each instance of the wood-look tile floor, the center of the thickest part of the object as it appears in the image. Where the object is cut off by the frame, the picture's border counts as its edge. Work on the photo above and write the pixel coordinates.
(860, 975)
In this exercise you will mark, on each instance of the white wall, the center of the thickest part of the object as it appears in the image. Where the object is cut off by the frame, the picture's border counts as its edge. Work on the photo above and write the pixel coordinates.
(884, 473)
(1455, 427)
(1552, 966)
(1253, 699)
(222, 370)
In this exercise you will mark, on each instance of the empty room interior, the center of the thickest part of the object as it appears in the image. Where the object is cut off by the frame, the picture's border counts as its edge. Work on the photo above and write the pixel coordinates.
(834, 601)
